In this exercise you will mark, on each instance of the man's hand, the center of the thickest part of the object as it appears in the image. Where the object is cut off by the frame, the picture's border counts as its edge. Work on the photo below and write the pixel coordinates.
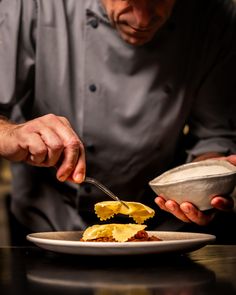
(187, 212)
(45, 141)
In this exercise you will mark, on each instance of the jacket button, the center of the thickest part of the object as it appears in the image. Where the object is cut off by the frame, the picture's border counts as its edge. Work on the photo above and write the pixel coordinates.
(167, 89)
(94, 23)
(92, 88)
(90, 148)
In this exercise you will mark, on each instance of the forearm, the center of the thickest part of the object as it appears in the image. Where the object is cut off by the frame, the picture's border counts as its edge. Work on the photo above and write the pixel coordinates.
(208, 155)
(5, 133)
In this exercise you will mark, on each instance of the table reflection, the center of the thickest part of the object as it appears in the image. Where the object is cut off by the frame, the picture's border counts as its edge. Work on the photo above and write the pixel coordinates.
(30, 270)
(168, 275)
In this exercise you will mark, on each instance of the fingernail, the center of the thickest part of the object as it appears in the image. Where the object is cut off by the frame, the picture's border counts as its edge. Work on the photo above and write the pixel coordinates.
(61, 178)
(171, 207)
(185, 209)
(79, 177)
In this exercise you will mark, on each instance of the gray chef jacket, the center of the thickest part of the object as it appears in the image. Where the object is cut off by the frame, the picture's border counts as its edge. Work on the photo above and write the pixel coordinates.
(128, 104)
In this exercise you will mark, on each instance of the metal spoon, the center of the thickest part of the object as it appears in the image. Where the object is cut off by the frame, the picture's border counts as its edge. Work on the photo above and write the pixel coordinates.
(104, 189)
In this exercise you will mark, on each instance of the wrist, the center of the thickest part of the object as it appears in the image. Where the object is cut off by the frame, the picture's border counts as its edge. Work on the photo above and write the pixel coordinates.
(209, 155)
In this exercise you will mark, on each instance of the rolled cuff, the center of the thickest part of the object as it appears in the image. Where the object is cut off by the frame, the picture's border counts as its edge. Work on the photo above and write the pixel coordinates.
(219, 145)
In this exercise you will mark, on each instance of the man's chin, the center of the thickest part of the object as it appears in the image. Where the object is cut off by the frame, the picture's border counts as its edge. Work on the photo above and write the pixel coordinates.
(134, 41)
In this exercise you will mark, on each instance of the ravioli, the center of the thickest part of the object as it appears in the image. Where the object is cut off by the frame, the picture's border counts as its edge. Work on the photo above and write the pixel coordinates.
(119, 232)
(138, 211)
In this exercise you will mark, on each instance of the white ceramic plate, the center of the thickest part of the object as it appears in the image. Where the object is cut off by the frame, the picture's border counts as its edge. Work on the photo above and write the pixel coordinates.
(68, 242)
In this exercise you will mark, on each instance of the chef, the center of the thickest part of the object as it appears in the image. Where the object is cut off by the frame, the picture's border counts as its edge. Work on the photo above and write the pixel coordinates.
(104, 88)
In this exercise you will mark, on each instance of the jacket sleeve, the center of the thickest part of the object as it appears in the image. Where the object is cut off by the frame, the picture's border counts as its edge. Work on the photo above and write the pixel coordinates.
(17, 21)
(213, 117)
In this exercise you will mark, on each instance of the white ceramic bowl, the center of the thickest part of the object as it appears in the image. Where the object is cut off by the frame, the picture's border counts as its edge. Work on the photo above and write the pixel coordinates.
(196, 182)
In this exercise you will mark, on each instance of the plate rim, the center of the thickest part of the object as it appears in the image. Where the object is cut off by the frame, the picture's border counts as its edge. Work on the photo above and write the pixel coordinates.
(200, 238)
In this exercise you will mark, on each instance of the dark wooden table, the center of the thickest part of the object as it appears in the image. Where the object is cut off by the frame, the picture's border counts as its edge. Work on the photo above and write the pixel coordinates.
(30, 270)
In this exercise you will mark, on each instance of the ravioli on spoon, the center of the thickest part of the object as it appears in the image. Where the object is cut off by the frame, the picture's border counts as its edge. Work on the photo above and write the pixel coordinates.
(138, 211)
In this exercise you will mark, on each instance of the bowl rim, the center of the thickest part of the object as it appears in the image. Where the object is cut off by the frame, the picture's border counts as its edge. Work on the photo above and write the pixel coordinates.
(208, 162)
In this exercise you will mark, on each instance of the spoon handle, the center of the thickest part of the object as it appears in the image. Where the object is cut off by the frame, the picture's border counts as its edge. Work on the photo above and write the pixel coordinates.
(104, 189)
